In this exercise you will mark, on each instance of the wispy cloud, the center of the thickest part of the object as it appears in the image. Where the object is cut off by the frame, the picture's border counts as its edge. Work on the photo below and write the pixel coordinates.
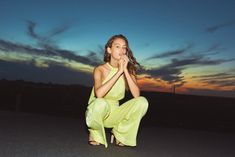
(45, 41)
(222, 83)
(170, 53)
(47, 53)
(172, 72)
(217, 75)
(218, 79)
(96, 55)
(212, 50)
(212, 29)
(171, 75)
(10, 47)
(198, 60)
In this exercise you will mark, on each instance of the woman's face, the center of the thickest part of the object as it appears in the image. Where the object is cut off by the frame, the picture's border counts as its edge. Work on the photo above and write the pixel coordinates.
(118, 49)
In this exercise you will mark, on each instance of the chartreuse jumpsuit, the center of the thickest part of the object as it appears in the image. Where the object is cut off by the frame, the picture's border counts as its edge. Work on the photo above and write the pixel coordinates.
(107, 113)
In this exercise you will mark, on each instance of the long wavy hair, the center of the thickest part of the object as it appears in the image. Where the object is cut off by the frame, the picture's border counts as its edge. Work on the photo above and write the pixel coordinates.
(132, 65)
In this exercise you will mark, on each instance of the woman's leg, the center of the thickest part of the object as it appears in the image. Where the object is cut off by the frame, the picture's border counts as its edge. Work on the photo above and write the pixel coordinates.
(126, 119)
(96, 112)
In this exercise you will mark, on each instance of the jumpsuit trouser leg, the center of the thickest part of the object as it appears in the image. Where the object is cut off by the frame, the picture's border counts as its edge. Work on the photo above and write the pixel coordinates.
(124, 119)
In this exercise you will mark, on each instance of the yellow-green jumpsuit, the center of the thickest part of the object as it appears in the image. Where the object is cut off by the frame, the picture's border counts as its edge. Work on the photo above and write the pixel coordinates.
(106, 112)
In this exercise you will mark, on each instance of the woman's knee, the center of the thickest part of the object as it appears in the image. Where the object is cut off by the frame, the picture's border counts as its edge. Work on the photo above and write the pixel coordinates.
(100, 104)
(142, 103)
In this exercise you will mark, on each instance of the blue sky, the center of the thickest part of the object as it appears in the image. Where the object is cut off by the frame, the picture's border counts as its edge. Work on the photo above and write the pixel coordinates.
(186, 43)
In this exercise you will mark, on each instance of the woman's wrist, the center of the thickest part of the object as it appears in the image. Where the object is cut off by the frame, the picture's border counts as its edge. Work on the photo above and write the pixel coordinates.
(120, 72)
(126, 70)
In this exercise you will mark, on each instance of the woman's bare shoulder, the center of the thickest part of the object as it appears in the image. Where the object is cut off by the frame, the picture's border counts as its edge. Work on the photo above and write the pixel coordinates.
(101, 68)
(101, 71)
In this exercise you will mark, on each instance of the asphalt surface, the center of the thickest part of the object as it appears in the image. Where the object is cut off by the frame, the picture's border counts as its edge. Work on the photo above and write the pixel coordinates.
(35, 135)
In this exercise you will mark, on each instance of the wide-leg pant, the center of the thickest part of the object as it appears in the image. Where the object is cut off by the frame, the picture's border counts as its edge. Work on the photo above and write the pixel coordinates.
(124, 119)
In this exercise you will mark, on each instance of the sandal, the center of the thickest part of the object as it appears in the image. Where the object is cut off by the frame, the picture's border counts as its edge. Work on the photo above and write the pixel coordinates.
(93, 142)
(117, 143)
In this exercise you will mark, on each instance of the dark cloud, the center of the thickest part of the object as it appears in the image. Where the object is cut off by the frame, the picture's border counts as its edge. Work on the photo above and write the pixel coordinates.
(45, 41)
(81, 59)
(172, 72)
(56, 72)
(212, 29)
(215, 47)
(197, 60)
(9, 47)
(183, 62)
(222, 83)
(170, 53)
(215, 62)
(30, 30)
(49, 45)
(97, 54)
(48, 48)
(93, 56)
(212, 50)
(57, 31)
(180, 84)
(168, 74)
(213, 76)
(152, 86)
(219, 79)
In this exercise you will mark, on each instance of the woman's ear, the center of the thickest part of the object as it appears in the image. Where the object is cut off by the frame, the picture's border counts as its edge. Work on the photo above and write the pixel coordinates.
(109, 50)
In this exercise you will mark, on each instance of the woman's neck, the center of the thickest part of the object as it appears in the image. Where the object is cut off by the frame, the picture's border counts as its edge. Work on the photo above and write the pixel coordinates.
(114, 64)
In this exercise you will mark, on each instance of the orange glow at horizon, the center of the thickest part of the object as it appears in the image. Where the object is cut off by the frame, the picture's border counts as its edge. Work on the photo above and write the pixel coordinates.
(150, 84)
(159, 85)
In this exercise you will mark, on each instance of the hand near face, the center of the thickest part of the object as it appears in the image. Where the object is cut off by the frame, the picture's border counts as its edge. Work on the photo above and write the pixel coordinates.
(123, 62)
(126, 60)
(121, 65)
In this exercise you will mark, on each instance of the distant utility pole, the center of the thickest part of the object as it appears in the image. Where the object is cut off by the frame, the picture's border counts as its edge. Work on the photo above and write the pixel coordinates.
(174, 88)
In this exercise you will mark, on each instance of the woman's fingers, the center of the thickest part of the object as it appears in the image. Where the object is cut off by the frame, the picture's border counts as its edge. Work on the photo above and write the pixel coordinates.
(126, 58)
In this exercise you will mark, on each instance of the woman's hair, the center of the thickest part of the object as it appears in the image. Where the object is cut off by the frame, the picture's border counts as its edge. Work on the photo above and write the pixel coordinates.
(132, 64)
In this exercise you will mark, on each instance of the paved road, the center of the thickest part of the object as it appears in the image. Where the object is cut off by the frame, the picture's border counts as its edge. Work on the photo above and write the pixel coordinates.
(34, 135)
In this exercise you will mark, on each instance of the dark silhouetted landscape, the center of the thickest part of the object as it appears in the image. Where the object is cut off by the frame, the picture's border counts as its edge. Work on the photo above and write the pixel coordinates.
(165, 109)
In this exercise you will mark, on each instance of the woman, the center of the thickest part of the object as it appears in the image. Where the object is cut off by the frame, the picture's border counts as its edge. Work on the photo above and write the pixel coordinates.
(110, 81)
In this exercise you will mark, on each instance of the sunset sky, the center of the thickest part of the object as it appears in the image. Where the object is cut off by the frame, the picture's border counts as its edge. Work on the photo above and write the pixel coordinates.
(186, 43)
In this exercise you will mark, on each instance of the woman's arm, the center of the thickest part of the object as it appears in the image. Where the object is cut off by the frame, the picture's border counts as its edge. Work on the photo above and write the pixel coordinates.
(131, 80)
(132, 83)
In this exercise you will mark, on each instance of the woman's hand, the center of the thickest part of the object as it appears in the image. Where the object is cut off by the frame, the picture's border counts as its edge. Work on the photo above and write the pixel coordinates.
(126, 60)
(121, 65)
